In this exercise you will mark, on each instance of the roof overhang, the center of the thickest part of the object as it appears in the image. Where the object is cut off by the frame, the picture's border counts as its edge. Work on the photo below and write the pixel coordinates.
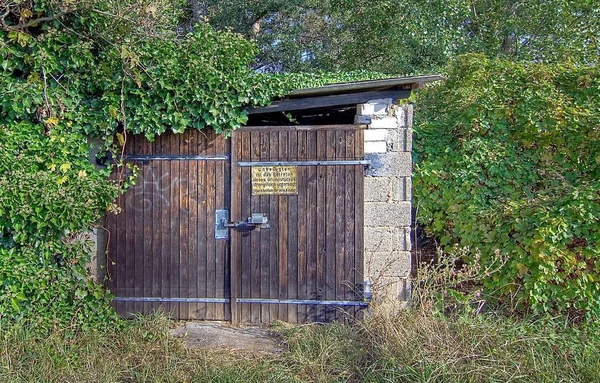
(346, 94)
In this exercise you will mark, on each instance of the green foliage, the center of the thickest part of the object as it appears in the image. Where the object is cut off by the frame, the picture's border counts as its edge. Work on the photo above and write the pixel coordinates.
(508, 158)
(49, 192)
(405, 37)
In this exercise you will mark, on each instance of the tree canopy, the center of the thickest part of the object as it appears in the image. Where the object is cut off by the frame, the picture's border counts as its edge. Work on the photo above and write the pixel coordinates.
(406, 37)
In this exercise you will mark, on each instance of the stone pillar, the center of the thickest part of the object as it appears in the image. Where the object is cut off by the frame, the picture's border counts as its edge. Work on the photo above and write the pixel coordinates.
(388, 145)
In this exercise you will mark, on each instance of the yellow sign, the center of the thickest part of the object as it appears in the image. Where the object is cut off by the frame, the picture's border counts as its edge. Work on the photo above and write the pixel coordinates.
(268, 180)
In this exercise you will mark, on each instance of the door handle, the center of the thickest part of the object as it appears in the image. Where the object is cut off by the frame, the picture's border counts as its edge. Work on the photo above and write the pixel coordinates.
(222, 225)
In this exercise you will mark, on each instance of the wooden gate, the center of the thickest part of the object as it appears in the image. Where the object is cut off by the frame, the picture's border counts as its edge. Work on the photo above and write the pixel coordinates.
(309, 264)
(162, 250)
(306, 267)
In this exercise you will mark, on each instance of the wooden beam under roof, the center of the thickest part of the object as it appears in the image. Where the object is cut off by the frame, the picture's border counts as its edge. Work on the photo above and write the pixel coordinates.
(329, 101)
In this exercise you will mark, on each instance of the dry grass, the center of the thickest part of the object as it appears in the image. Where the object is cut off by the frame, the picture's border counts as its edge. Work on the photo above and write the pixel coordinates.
(427, 343)
(409, 346)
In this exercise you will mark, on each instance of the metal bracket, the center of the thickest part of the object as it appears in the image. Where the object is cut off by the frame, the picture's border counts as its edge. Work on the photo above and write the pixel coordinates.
(222, 225)
(221, 219)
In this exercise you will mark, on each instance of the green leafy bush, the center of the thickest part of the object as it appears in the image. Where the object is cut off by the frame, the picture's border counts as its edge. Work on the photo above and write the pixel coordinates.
(508, 157)
(50, 193)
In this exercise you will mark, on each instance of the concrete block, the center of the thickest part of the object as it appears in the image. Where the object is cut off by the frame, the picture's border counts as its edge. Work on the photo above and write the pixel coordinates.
(396, 164)
(409, 110)
(400, 114)
(376, 147)
(401, 189)
(387, 239)
(384, 123)
(387, 265)
(376, 135)
(382, 239)
(378, 189)
(380, 107)
(400, 140)
(381, 214)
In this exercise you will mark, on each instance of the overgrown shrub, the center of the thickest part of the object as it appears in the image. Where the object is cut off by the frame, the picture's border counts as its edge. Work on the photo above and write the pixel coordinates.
(508, 157)
(49, 194)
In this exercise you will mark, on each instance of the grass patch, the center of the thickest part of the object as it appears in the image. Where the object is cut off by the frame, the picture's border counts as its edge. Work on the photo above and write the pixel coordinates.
(409, 346)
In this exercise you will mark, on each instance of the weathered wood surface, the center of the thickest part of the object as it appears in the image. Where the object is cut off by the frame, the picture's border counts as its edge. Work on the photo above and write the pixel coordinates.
(313, 249)
(163, 243)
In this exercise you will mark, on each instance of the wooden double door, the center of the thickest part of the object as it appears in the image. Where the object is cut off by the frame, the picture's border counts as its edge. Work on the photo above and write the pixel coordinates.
(188, 240)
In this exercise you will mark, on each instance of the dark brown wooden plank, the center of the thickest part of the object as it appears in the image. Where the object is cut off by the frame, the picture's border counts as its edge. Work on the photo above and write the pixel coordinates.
(202, 231)
(156, 228)
(349, 282)
(303, 191)
(193, 208)
(340, 193)
(175, 223)
(255, 271)
(260, 152)
(327, 267)
(292, 235)
(211, 249)
(318, 212)
(138, 251)
(236, 250)
(282, 256)
(274, 233)
(147, 228)
(184, 225)
(165, 225)
(225, 247)
(246, 187)
(220, 245)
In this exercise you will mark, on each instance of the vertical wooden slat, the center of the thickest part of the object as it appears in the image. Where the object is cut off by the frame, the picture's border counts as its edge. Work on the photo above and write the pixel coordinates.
(340, 181)
(148, 192)
(349, 233)
(260, 152)
(138, 259)
(211, 260)
(129, 227)
(292, 235)
(236, 249)
(225, 244)
(174, 227)
(303, 191)
(220, 245)
(203, 218)
(318, 213)
(165, 225)
(245, 176)
(254, 238)
(282, 256)
(329, 266)
(274, 233)
(156, 227)
(193, 207)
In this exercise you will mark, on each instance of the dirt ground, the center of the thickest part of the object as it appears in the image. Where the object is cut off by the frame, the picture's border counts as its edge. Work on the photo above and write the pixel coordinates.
(212, 335)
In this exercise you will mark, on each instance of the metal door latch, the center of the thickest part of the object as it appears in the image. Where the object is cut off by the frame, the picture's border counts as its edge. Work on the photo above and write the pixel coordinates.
(222, 225)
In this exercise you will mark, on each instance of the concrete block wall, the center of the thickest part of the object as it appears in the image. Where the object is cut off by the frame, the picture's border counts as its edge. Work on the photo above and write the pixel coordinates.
(388, 145)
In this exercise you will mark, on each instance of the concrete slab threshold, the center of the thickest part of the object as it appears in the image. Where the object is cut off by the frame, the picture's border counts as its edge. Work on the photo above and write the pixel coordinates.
(218, 335)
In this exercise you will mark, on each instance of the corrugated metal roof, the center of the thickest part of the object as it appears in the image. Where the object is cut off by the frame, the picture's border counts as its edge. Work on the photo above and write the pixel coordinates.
(368, 85)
